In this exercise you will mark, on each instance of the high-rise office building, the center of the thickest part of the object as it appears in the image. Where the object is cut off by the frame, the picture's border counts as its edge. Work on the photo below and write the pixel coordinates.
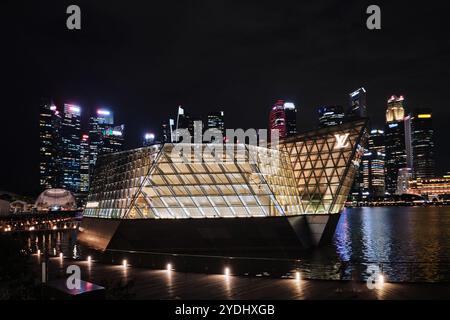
(102, 120)
(369, 183)
(331, 116)
(84, 163)
(283, 117)
(113, 139)
(408, 142)
(423, 143)
(358, 104)
(49, 130)
(70, 148)
(216, 121)
(396, 157)
(375, 156)
(216, 125)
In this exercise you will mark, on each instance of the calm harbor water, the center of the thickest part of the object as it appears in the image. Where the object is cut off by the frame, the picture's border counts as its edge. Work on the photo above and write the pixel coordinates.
(406, 243)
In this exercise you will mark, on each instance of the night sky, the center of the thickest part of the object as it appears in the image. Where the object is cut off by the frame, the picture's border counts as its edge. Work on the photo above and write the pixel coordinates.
(144, 58)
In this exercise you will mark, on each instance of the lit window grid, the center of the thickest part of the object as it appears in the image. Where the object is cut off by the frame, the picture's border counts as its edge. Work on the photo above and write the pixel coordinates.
(219, 188)
(211, 189)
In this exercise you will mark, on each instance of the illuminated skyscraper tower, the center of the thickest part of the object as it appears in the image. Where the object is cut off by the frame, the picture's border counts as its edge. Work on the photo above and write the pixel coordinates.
(331, 116)
(102, 120)
(395, 141)
(423, 143)
(84, 163)
(70, 148)
(216, 124)
(113, 139)
(283, 117)
(358, 104)
(374, 165)
(49, 130)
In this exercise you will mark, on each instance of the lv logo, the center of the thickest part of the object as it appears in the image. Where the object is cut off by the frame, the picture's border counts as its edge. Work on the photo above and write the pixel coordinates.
(341, 141)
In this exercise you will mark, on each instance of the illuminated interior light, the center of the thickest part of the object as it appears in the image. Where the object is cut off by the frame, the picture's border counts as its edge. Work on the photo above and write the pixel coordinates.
(103, 112)
(380, 279)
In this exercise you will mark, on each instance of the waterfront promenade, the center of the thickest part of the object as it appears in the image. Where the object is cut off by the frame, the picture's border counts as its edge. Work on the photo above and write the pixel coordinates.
(162, 284)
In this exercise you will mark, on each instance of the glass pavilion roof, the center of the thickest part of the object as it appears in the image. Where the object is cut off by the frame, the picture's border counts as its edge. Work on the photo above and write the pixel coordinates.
(310, 173)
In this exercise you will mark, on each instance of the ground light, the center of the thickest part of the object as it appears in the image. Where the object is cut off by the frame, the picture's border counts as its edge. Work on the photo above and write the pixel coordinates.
(89, 259)
(227, 271)
(39, 252)
(61, 255)
(297, 276)
(380, 280)
(124, 263)
(169, 267)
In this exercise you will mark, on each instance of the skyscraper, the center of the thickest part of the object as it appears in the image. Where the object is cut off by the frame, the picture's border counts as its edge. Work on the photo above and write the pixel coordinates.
(423, 143)
(283, 117)
(216, 124)
(84, 163)
(49, 127)
(102, 120)
(376, 164)
(357, 104)
(70, 148)
(331, 116)
(395, 141)
(113, 138)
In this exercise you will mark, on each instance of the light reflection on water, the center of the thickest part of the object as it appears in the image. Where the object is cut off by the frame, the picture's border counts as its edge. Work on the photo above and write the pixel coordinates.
(394, 234)
(410, 243)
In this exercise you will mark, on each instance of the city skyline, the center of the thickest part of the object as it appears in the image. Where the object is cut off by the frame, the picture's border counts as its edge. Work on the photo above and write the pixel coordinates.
(133, 142)
(144, 65)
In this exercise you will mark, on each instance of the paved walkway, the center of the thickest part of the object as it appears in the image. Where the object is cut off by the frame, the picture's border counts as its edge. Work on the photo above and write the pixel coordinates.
(162, 284)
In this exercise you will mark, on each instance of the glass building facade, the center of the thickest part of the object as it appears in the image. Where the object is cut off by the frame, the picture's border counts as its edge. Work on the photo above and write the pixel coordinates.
(309, 173)
(49, 149)
(423, 143)
(84, 163)
(396, 153)
(70, 148)
(357, 104)
(283, 117)
(102, 120)
(331, 116)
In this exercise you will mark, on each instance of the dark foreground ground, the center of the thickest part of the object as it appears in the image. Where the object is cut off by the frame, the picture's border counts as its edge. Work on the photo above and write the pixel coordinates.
(140, 283)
